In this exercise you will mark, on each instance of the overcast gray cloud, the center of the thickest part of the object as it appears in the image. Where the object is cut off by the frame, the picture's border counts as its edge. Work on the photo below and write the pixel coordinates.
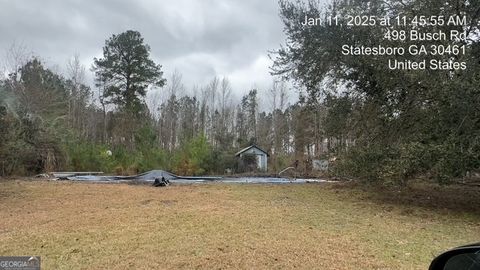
(200, 39)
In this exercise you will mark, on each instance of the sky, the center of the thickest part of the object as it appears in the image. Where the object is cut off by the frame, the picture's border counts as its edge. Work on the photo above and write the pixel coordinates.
(199, 39)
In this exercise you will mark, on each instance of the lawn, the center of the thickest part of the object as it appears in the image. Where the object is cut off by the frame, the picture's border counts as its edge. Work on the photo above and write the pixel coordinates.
(220, 226)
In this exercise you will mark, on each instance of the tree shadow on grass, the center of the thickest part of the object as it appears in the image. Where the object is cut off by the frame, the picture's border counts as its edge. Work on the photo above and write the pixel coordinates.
(451, 198)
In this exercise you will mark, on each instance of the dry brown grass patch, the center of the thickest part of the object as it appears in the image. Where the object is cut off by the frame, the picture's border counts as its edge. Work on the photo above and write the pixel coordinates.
(118, 226)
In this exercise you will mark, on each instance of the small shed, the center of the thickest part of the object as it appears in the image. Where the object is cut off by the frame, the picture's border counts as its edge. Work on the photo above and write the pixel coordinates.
(257, 153)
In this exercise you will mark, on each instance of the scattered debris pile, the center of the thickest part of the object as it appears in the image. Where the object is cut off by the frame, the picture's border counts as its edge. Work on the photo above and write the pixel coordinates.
(161, 182)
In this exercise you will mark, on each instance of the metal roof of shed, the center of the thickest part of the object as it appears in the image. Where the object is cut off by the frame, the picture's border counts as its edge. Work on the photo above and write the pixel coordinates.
(248, 148)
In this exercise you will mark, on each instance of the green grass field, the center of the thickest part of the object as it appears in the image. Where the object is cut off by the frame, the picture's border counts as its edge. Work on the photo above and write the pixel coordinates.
(218, 226)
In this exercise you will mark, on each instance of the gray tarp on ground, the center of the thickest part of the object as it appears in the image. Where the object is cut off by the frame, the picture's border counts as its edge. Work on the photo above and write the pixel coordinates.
(270, 180)
(144, 177)
(151, 175)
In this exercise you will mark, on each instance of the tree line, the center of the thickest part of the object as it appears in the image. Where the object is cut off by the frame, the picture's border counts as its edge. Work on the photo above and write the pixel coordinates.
(51, 121)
